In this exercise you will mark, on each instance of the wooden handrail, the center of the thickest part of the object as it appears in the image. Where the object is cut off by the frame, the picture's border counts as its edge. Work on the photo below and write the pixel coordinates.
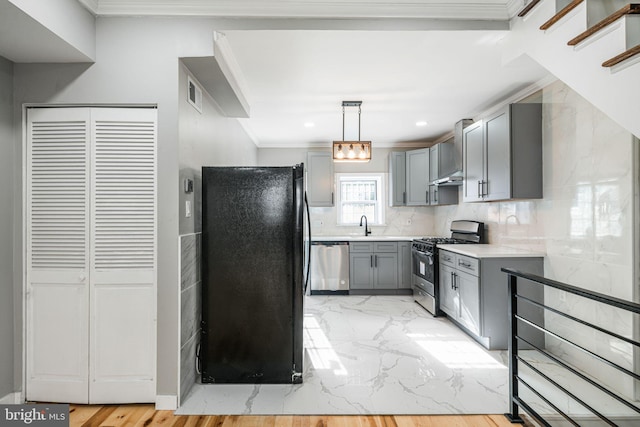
(558, 16)
(630, 9)
(622, 57)
(528, 8)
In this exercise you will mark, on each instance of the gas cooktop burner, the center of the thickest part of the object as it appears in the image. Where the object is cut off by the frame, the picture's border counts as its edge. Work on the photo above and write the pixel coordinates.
(442, 240)
(461, 232)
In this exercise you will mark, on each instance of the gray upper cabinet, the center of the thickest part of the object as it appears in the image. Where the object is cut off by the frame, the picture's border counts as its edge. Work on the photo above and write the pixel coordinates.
(473, 160)
(434, 160)
(320, 182)
(502, 155)
(418, 177)
(397, 178)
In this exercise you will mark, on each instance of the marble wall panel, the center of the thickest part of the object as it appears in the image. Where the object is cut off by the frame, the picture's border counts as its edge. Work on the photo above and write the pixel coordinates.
(189, 260)
(190, 309)
(584, 223)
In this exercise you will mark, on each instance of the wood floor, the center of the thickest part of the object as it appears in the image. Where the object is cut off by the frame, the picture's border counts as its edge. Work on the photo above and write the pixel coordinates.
(147, 416)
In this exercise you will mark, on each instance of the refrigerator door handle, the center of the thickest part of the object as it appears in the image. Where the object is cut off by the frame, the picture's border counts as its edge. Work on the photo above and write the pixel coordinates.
(306, 281)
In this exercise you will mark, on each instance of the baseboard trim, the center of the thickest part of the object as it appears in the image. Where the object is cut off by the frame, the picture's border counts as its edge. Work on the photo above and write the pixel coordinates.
(166, 403)
(11, 399)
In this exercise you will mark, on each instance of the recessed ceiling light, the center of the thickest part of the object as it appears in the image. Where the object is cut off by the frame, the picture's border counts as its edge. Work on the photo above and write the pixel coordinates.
(309, 124)
(421, 123)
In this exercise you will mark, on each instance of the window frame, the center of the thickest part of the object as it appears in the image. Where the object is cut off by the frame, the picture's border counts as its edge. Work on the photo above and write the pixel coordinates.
(379, 202)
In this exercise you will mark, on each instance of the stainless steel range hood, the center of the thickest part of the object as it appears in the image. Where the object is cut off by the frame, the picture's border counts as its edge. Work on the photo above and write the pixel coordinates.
(449, 180)
(450, 171)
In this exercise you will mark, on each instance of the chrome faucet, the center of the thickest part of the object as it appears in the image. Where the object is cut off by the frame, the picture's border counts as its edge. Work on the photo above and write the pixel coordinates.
(367, 231)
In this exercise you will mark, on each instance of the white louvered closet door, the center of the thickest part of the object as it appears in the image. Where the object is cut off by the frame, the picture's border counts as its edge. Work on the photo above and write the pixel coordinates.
(57, 295)
(91, 304)
(123, 256)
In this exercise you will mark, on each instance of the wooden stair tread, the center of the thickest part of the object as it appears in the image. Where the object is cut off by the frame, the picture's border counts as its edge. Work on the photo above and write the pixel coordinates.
(630, 9)
(528, 8)
(558, 16)
(622, 57)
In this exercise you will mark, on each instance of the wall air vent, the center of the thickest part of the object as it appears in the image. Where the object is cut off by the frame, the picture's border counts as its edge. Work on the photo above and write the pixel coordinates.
(194, 94)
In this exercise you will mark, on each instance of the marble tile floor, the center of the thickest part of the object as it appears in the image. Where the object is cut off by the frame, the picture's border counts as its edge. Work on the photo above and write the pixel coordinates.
(373, 355)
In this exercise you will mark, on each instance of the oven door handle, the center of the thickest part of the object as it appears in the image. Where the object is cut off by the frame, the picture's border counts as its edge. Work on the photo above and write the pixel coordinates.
(423, 253)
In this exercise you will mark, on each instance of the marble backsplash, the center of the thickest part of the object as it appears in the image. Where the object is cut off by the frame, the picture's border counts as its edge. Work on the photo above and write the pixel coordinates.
(399, 221)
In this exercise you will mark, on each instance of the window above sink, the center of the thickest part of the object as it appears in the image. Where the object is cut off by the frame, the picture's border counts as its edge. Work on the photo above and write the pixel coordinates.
(360, 194)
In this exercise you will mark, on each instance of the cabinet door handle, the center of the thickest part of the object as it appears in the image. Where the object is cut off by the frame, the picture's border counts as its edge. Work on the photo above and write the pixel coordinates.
(426, 196)
(404, 197)
(464, 264)
(479, 190)
(485, 184)
(371, 258)
(332, 202)
(376, 258)
(452, 279)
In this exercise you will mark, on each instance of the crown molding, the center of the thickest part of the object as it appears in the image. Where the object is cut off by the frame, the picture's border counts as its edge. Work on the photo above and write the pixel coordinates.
(91, 5)
(473, 10)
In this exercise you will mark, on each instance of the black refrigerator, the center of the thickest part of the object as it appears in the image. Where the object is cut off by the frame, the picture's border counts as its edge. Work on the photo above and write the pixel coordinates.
(253, 274)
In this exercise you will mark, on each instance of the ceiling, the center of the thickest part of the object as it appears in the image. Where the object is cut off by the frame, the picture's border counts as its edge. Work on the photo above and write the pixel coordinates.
(295, 78)
(407, 61)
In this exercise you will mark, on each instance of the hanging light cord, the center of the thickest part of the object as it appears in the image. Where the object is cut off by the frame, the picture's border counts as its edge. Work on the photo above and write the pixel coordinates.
(359, 111)
(343, 122)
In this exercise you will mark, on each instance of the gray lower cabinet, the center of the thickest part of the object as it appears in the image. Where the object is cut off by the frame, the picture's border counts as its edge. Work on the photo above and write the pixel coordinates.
(474, 295)
(460, 290)
(375, 268)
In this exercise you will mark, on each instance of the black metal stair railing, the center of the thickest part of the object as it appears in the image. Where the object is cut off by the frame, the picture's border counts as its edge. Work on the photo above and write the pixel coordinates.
(518, 341)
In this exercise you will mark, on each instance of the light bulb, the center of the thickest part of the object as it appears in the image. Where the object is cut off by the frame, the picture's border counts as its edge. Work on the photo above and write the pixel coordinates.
(351, 154)
(363, 152)
(340, 154)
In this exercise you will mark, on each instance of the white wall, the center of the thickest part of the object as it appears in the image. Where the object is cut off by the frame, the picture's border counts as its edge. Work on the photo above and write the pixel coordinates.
(399, 221)
(137, 63)
(207, 139)
(6, 228)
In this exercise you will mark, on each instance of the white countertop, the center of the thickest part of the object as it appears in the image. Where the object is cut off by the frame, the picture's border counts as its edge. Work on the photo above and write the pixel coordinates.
(490, 251)
(362, 238)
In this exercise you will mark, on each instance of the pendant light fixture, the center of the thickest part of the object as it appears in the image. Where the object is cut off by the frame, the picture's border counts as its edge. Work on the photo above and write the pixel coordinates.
(351, 151)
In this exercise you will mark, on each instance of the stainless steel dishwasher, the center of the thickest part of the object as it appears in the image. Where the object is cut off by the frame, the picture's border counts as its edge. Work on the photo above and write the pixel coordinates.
(329, 268)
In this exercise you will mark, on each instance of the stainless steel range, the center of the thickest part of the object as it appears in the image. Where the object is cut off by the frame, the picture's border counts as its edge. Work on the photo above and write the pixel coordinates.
(424, 261)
